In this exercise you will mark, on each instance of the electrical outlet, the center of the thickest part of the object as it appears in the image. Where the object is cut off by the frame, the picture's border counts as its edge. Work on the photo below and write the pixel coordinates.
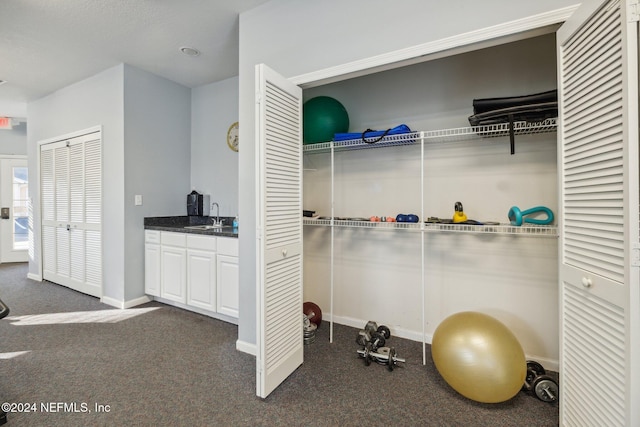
(138, 200)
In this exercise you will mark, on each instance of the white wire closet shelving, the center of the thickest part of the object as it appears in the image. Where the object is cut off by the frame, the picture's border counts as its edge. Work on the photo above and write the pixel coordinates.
(442, 135)
(334, 222)
(529, 230)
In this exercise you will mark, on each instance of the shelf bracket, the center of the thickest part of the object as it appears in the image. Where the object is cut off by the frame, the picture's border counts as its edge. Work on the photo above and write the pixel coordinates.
(512, 135)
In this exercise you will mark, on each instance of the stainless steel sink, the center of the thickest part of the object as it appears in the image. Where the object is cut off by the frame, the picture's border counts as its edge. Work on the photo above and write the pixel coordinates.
(204, 227)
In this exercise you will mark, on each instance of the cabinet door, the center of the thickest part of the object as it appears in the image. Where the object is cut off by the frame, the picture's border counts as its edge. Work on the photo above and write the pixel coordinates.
(279, 339)
(173, 273)
(599, 281)
(228, 285)
(201, 279)
(152, 269)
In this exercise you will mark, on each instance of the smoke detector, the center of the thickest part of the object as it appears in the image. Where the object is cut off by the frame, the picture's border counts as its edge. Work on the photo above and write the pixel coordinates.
(190, 51)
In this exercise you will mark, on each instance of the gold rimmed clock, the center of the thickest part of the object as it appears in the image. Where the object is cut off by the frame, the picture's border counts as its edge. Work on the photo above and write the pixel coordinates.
(232, 136)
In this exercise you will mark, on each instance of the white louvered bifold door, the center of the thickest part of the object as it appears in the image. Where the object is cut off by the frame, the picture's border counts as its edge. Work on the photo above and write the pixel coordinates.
(71, 194)
(598, 155)
(279, 229)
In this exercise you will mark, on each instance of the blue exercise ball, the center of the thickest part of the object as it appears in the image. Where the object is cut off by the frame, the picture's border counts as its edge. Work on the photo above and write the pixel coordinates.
(479, 357)
(322, 117)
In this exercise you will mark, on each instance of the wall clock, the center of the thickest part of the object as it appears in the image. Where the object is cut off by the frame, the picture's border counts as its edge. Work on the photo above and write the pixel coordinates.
(232, 136)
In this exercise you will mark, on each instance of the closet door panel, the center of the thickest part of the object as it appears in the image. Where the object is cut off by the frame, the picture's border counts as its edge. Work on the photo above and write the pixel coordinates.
(598, 154)
(279, 136)
(93, 261)
(71, 210)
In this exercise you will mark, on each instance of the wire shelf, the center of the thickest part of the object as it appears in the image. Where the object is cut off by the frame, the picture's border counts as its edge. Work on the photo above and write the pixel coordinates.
(442, 135)
(505, 229)
(490, 131)
(359, 144)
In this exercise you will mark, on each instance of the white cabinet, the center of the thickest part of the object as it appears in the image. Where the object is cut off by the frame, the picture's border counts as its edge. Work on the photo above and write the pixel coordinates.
(152, 262)
(196, 272)
(173, 266)
(201, 271)
(228, 277)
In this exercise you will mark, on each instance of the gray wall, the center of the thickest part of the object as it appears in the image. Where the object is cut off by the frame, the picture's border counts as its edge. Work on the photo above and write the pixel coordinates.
(296, 38)
(145, 123)
(157, 134)
(14, 141)
(214, 166)
(95, 101)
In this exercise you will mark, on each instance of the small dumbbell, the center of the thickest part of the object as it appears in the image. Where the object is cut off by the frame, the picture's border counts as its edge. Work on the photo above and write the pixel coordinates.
(380, 337)
(364, 335)
(387, 356)
(371, 327)
(536, 381)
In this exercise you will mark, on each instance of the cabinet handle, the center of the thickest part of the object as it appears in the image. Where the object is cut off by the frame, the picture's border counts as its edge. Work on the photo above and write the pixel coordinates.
(586, 282)
(284, 253)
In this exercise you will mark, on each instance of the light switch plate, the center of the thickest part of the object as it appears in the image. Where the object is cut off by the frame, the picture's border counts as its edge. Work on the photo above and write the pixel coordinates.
(138, 200)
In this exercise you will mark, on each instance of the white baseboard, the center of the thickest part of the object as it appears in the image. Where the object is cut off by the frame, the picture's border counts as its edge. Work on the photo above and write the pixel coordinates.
(124, 304)
(246, 347)
(395, 331)
(137, 301)
(33, 276)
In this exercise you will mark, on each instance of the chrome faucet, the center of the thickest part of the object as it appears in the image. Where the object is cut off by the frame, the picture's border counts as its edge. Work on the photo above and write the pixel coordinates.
(216, 220)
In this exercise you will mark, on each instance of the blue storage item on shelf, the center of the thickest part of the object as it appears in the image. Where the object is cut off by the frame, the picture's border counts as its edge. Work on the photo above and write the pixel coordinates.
(372, 136)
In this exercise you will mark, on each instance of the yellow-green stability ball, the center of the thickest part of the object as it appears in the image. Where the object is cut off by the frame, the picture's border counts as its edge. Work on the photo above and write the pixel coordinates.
(479, 357)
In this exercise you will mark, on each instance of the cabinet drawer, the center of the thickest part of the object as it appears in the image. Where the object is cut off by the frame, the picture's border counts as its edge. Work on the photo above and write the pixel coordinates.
(151, 236)
(173, 239)
(206, 243)
(228, 246)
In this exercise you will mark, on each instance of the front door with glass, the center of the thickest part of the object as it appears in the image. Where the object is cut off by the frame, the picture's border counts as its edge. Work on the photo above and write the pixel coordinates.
(14, 212)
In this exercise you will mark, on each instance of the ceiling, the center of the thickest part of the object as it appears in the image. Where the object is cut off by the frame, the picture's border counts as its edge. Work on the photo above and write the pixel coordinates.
(46, 45)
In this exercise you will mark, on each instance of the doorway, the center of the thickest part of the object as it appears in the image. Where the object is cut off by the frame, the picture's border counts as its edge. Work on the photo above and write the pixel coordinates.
(14, 212)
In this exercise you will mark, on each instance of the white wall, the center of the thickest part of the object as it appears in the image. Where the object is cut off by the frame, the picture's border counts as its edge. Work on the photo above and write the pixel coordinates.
(157, 156)
(214, 167)
(296, 38)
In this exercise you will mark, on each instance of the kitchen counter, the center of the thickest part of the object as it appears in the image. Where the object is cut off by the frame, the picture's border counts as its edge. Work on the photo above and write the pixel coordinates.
(177, 224)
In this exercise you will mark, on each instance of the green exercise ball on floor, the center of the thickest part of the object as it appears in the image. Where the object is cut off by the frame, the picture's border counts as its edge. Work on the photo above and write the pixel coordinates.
(322, 117)
(479, 357)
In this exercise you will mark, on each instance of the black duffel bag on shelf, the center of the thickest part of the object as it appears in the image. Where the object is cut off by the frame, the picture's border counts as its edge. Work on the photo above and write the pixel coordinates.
(527, 108)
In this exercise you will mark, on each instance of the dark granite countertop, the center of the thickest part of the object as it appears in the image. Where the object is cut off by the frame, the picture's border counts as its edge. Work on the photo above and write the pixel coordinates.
(177, 224)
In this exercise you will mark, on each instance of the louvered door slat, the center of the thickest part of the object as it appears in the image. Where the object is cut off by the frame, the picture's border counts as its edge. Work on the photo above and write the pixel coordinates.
(93, 181)
(61, 171)
(47, 185)
(76, 182)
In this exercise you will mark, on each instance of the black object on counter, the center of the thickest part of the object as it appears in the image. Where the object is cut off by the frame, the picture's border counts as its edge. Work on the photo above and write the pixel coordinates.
(197, 204)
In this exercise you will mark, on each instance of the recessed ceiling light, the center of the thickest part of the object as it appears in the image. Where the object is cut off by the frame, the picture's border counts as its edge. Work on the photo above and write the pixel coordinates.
(2, 81)
(190, 51)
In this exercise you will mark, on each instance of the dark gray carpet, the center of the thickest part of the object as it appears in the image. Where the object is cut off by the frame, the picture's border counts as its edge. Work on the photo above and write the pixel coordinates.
(171, 367)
